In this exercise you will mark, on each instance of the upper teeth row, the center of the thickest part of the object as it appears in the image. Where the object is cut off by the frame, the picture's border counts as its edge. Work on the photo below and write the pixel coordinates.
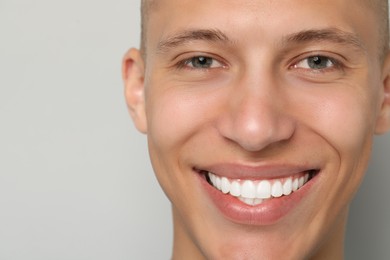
(263, 189)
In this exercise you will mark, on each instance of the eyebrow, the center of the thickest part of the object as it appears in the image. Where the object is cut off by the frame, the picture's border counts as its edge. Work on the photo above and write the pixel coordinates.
(329, 34)
(214, 35)
(187, 36)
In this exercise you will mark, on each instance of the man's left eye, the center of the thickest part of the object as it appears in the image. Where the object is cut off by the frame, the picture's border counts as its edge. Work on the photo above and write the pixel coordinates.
(316, 63)
(202, 62)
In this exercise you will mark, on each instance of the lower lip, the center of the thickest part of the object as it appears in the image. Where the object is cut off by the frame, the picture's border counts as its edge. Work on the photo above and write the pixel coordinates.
(267, 213)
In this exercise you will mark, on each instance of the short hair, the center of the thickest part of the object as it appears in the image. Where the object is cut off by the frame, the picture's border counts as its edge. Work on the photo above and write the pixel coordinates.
(379, 6)
(146, 7)
(383, 11)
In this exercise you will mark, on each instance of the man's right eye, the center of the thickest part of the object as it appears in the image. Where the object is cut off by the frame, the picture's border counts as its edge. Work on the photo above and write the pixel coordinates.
(201, 62)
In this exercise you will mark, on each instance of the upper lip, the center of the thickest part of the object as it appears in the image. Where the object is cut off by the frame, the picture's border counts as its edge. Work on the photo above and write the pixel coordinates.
(265, 171)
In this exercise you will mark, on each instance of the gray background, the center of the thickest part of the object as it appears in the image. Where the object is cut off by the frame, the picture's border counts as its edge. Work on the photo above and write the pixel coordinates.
(75, 180)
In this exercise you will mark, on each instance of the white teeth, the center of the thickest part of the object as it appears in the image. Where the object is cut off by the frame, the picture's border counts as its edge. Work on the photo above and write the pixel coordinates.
(263, 190)
(235, 189)
(248, 190)
(258, 201)
(225, 185)
(295, 185)
(212, 177)
(252, 202)
(306, 179)
(287, 187)
(255, 192)
(218, 183)
(301, 181)
(277, 189)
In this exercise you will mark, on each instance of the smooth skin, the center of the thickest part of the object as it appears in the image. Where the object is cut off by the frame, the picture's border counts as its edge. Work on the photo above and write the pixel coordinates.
(260, 82)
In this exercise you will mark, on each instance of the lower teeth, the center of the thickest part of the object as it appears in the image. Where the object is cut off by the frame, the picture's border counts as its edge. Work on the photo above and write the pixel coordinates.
(252, 202)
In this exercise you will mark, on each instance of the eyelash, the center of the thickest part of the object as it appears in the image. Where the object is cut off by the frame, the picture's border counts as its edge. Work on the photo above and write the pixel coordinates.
(335, 63)
(184, 64)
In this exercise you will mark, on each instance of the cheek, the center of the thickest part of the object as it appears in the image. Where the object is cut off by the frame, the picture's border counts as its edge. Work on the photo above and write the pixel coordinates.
(169, 123)
(176, 116)
(170, 120)
(346, 121)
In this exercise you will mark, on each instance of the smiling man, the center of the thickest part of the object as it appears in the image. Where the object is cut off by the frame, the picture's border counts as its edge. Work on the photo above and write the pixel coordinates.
(260, 116)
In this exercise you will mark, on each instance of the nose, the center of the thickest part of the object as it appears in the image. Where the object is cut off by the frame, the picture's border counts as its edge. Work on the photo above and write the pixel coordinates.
(256, 117)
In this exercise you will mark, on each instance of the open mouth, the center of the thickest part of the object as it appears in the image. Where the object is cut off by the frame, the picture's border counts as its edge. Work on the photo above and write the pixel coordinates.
(255, 192)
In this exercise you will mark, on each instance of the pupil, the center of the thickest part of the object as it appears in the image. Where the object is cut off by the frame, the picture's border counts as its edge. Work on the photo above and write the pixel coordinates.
(317, 60)
(202, 60)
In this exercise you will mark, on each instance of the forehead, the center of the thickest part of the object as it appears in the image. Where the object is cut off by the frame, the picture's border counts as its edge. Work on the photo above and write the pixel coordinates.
(150, 6)
(266, 19)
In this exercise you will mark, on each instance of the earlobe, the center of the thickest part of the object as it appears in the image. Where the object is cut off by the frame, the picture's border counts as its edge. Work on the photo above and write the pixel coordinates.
(133, 76)
(383, 120)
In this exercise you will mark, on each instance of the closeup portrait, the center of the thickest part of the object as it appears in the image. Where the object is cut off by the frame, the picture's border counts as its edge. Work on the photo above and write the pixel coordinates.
(196, 130)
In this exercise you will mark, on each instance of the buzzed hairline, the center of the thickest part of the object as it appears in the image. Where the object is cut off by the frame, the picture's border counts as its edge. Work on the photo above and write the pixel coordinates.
(379, 6)
(146, 8)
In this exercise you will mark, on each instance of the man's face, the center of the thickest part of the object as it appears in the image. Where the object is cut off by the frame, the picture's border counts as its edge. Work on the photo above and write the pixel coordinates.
(260, 117)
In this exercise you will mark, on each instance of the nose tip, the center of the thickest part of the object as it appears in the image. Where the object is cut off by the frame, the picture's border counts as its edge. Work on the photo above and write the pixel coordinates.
(256, 123)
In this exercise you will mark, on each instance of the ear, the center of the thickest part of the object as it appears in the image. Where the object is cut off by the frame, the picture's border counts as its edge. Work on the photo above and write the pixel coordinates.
(383, 120)
(133, 72)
